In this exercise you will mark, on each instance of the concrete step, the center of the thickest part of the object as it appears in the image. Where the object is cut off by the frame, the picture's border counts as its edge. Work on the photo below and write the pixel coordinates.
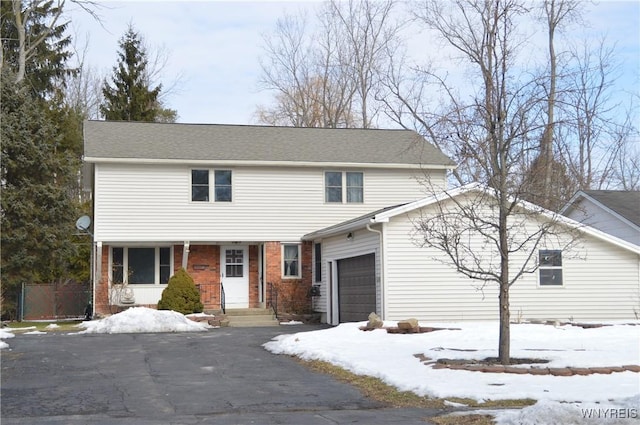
(251, 317)
(248, 311)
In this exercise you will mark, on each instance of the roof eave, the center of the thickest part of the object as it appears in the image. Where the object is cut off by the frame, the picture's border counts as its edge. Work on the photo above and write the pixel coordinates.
(259, 163)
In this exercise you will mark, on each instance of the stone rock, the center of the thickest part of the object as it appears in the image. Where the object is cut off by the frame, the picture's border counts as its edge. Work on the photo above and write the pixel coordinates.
(632, 368)
(583, 371)
(374, 321)
(409, 324)
(537, 371)
(516, 370)
(601, 370)
(560, 371)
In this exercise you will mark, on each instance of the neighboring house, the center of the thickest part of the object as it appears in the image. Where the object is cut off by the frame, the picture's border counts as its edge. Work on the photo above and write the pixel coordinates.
(376, 262)
(230, 204)
(616, 212)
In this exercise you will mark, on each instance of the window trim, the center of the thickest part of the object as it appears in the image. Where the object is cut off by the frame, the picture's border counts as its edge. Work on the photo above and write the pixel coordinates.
(208, 185)
(157, 264)
(215, 185)
(541, 267)
(344, 189)
(282, 262)
(212, 186)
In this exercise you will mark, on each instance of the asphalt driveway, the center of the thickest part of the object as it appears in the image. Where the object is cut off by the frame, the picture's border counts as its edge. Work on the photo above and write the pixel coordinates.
(222, 376)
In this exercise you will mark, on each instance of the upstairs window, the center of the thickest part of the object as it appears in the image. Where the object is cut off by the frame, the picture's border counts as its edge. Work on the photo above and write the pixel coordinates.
(550, 267)
(354, 187)
(344, 187)
(200, 185)
(223, 185)
(333, 186)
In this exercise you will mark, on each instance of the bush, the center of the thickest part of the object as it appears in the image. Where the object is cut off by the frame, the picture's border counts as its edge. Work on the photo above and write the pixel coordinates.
(181, 294)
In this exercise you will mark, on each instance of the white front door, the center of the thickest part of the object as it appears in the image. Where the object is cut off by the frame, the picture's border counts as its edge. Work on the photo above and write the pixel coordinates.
(234, 272)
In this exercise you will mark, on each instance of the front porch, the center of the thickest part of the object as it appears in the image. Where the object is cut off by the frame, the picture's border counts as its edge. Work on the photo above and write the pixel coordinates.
(228, 275)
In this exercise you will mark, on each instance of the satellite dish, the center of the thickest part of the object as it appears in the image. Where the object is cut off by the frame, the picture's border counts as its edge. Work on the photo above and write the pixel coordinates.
(83, 223)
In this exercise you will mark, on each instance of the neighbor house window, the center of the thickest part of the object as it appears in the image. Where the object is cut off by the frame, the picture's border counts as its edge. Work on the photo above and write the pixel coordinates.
(550, 267)
(291, 260)
(223, 185)
(317, 261)
(136, 265)
(344, 187)
(200, 185)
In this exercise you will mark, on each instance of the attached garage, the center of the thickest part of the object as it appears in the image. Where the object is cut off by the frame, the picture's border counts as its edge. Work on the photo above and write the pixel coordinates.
(356, 288)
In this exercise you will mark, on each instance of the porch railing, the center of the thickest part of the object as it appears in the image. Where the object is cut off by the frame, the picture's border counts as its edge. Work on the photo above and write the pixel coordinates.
(222, 299)
(273, 299)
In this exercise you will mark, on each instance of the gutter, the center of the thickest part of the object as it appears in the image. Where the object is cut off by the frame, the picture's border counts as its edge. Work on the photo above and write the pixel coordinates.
(262, 163)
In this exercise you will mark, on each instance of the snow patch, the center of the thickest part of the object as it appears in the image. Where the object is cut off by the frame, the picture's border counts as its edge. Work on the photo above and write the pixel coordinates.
(143, 320)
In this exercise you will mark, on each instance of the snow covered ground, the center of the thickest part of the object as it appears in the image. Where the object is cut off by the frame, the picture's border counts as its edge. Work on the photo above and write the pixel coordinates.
(592, 399)
(566, 400)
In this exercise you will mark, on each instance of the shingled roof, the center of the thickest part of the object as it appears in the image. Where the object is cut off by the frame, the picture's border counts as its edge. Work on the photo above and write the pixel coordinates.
(624, 202)
(126, 141)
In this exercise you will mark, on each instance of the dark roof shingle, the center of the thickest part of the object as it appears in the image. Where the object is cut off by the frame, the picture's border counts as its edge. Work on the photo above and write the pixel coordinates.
(624, 202)
(159, 141)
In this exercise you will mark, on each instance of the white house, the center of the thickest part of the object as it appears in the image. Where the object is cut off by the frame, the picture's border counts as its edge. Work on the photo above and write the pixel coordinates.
(616, 212)
(230, 204)
(377, 262)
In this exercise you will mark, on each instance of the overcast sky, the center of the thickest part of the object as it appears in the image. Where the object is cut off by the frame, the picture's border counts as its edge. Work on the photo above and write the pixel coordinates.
(213, 48)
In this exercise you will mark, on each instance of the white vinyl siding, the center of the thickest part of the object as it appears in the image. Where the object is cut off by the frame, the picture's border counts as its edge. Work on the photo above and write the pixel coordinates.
(338, 247)
(601, 281)
(153, 203)
(592, 214)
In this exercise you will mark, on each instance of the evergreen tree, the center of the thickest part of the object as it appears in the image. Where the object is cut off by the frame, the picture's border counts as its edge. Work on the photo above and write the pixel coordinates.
(41, 59)
(131, 97)
(37, 210)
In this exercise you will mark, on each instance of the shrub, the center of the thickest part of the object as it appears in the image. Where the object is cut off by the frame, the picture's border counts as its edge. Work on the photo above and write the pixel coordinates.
(181, 294)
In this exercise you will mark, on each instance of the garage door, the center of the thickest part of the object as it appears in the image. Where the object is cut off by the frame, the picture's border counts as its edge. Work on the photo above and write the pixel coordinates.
(357, 288)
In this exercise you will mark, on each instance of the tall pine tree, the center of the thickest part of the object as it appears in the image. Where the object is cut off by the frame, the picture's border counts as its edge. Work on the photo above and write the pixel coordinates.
(41, 151)
(37, 210)
(130, 97)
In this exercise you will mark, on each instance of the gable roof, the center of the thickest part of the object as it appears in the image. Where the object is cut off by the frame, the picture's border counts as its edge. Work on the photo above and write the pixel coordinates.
(125, 141)
(624, 204)
(384, 215)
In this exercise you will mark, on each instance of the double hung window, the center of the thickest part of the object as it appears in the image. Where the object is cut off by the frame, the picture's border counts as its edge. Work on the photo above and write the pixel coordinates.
(341, 187)
(550, 267)
(201, 188)
(291, 260)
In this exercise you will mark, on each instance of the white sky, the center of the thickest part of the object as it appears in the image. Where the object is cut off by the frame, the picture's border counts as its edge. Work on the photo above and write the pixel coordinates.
(214, 47)
(391, 357)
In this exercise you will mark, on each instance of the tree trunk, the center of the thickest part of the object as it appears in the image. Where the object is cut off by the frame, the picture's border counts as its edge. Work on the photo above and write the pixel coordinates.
(504, 344)
(22, 40)
(504, 347)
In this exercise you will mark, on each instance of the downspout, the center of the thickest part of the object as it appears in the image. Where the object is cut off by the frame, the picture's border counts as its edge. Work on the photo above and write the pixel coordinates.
(383, 285)
(98, 273)
(185, 255)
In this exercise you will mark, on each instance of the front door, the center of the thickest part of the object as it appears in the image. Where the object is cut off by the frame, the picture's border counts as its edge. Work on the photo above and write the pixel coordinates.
(235, 276)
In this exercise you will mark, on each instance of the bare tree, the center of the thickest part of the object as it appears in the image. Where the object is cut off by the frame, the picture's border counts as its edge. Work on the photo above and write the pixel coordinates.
(496, 127)
(555, 14)
(595, 129)
(329, 78)
(84, 89)
(309, 90)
